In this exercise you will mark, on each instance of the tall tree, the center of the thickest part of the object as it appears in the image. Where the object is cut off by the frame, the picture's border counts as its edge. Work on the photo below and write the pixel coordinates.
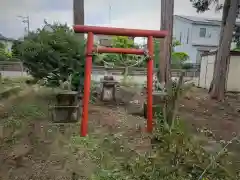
(229, 15)
(167, 8)
(78, 14)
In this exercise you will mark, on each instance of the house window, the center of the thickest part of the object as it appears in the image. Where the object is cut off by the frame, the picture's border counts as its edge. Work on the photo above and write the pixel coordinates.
(187, 35)
(180, 39)
(202, 32)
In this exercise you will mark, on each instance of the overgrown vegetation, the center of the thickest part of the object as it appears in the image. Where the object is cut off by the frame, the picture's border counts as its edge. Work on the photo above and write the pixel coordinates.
(172, 155)
(52, 55)
(11, 86)
(4, 54)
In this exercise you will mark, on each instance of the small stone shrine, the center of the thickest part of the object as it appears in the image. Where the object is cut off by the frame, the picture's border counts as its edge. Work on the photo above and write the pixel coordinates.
(108, 89)
(67, 107)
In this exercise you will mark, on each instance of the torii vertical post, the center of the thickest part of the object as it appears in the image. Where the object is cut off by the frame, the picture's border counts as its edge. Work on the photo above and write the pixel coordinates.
(87, 83)
(150, 84)
(91, 30)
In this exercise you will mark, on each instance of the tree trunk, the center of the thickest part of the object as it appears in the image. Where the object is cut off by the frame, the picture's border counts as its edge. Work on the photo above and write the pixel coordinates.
(125, 74)
(78, 14)
(167, 7)
(226, 7)
(218, 84)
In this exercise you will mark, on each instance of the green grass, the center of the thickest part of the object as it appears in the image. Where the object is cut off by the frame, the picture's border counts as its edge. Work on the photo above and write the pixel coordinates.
(21, 111)
(175, 156)
(11, 86)
(116, 162)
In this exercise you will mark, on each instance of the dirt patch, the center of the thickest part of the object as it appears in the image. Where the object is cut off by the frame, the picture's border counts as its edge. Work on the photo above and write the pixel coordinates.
(222, 118)
(32, 147)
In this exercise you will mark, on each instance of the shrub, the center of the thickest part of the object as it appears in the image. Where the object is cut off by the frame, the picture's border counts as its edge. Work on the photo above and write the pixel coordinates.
(52, 55)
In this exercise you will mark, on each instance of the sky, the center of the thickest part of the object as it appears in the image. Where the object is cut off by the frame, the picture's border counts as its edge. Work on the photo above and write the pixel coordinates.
(144, 14)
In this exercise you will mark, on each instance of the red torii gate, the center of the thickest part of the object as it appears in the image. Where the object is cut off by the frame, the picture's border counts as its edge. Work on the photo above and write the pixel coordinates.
(91, 30)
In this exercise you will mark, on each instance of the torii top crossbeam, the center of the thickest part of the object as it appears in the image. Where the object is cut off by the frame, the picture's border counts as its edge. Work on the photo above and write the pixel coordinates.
(119, 31)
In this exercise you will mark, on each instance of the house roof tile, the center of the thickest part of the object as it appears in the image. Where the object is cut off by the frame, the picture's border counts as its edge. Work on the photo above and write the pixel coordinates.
(203, 20)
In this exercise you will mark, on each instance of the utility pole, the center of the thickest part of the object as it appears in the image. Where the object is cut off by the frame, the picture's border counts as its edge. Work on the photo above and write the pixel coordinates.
(78, 14)
(25, 20)
(167, 7)
(109, 13)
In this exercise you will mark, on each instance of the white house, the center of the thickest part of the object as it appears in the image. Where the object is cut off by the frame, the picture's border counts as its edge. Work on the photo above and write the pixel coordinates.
(197, 35)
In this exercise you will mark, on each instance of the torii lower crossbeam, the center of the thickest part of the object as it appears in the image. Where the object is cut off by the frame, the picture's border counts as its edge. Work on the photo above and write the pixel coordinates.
(91, 30)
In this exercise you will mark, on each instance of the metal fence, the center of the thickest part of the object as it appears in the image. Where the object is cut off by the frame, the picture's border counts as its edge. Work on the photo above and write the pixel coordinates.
(16, 69)
(136, 71)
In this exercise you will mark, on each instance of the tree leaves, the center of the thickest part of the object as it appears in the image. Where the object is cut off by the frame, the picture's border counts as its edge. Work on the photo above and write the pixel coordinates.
(120, 59)
(57, 52)
(178, 58)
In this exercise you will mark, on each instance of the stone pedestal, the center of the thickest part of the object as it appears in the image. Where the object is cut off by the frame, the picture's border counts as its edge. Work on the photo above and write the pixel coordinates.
(159, 99)
(67, 108)
(108, 89)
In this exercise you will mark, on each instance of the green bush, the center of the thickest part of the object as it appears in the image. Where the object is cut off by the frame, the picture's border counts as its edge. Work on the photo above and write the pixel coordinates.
(187, 66)
(4, 55)
(78, 81)
(52, 55)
